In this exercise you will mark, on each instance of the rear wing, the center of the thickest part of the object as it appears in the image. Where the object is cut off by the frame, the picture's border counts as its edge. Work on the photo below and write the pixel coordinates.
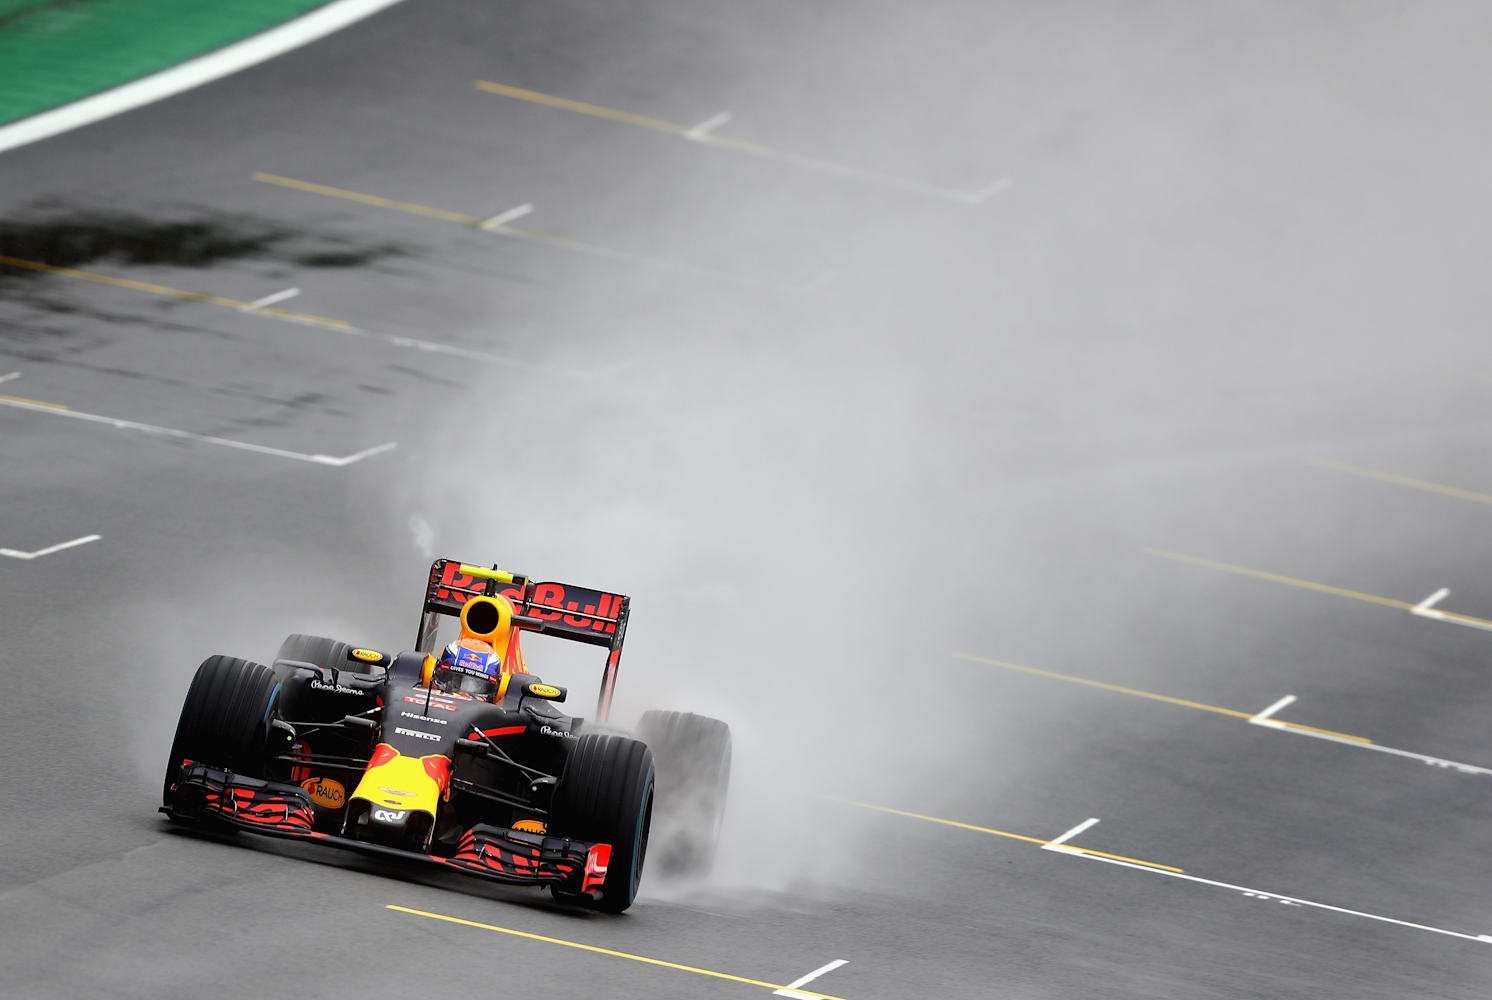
(595, 617)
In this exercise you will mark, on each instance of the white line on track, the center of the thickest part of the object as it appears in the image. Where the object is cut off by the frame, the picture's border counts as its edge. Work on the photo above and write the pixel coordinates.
(1289, 699)
(1085, 824)
(15, 554)
(130, 425)
(704, 128)
(1362, 745)
(503, 218)
(791, 989)
(270, 300)
(1433, 599)
(204, 69)
(1289, 900)
(11, 377)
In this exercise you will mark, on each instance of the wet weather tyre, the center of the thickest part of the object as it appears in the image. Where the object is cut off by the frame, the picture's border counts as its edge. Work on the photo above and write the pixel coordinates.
(692, 754)
(605, 796)
(317, 650)
(224, 718)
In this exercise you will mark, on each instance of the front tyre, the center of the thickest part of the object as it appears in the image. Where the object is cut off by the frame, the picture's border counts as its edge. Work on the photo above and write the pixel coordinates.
(224, 719)
(605, 796)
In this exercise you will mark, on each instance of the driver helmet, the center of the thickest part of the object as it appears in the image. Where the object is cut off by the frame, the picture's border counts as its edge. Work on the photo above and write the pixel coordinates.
(469, 666)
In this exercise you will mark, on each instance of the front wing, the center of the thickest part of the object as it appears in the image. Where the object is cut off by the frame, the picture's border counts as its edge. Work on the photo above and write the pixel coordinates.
(278, 809)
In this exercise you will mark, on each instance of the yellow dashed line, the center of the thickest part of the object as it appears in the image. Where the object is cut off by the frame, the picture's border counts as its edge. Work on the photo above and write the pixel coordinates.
(368, 199)
(1135, 692)
(1006, 665)
(1002, 833)
(168, 292)
(1398, 480)
(33, 402)
(1322, 588)
(606, 951)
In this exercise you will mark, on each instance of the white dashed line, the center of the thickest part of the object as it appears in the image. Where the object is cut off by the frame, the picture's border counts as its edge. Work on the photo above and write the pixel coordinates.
(270, 300)
(1085, 824)
(11, 377)
(1289, 699)
(791, 989)
(1433, 599)
(1287, 900)
(704, 128)
(503, 218)
(53, 409)
(15, 554)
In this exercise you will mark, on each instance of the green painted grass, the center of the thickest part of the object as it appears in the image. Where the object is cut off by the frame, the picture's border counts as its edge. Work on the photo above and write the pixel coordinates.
(53, 53)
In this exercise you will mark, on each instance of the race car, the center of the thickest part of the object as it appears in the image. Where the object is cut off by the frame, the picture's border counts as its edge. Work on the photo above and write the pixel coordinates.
(455, 754)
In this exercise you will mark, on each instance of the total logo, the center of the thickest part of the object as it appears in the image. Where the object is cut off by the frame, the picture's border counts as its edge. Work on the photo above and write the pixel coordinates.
(417, 734)
(422, 718)
(390, 815)
(318, 685)
(550, 731)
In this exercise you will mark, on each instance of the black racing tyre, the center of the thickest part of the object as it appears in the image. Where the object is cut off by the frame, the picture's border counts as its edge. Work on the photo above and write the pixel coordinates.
(692, 753)
(318, 650)
(605, 796)
(224, 718)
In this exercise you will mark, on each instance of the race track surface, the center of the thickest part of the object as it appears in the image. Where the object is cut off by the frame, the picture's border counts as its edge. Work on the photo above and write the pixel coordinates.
(991, 408)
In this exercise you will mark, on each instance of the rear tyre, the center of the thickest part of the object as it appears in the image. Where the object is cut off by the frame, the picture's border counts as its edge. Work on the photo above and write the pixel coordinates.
(693, 755)
(317, 650)
(605, 796)
(224, 719)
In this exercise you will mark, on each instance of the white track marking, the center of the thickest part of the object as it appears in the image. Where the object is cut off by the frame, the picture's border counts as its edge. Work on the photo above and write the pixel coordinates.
(1085, 824)
(1424, 758)
(791, 989)
(1433, 599)
(1288, 900)
(503, 218)
(704, 128)
(1424, 610)
(11, 377)
(270, 300)
(193, 73)
(14, 554)
(1289, 699)
(986, 193)
(130, 425)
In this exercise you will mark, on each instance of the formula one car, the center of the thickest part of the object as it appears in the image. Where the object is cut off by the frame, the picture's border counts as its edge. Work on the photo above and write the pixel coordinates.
(454, 755)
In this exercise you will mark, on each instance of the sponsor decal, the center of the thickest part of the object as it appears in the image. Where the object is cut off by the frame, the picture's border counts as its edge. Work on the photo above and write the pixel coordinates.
(395, 791)
(544, 691)
(417, 734)
(319, 685)
(390, 815)
(529, 826)
(550, 731)
(433, 703)
(422, 718)
(587, 609)
(326, 792)
(367, 655)
(597, 860)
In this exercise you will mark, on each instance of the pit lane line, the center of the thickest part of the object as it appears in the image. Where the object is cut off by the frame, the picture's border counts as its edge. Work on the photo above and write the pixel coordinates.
(705, 133)
(59, 410)
(497, 224)
(1170, 872)
(1264, 719)
(775, 987)
(1400, 480)
(264, 307)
